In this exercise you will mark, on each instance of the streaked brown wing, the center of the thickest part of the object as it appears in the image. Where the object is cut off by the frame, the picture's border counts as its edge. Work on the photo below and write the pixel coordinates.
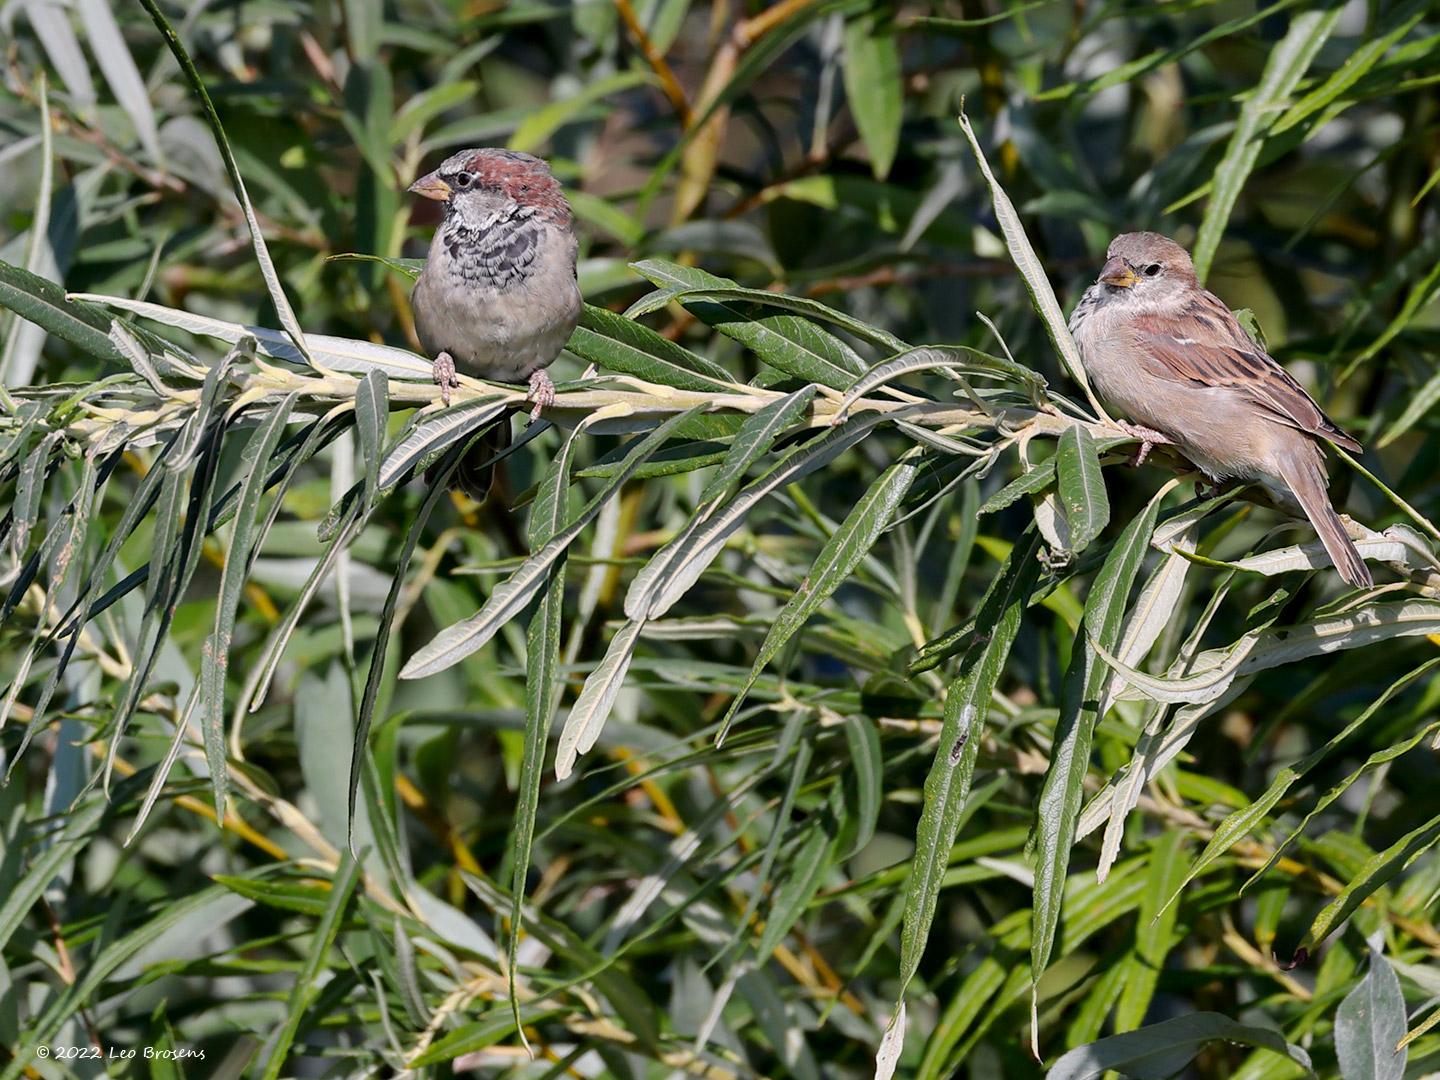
(1204, 346)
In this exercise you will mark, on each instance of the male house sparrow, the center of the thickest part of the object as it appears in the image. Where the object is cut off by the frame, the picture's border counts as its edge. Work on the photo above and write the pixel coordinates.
(1171, 356)
(498, 297)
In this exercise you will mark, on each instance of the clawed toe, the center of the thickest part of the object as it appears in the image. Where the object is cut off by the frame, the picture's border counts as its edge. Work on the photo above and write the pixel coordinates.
(443, 372)
(1149, 439)
(542, 394)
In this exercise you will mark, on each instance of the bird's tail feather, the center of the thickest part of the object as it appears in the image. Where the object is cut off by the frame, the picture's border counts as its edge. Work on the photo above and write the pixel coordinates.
(1305, 477)
(475, 475)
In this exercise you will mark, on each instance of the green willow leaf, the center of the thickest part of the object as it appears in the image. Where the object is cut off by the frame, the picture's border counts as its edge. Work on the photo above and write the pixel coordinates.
(702, 541)
(1356, 65)
(408, 268)
(1244, 821)
(307, 984)
(874, 87)
(215, 653)
(100, 965)
(619, 344)
(45, 304)
(476, 1035)
(1284, 69)
(752, 442)
(1058, 806)
(1154, 932)
(1165, 1048)
(807, 869)
(372, 411)
(385, 628)
(257, 238)
(869, 768)
(851, 542)
(1370, 1023)
(456, 642)
(794, 345)
(543, 687)
(947, 785)
(1081, 487)
(1378, 871)
(1132, 70)
(175, 558)
(1370, 764)
(597, 697)
(1032, 271)
(799, 305)
(432, 432)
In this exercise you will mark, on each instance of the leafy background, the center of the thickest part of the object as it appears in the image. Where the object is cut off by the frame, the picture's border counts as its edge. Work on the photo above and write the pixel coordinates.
(908, 643)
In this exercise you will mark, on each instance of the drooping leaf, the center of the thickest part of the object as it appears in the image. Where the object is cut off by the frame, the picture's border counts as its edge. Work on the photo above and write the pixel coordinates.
(1058, 806)
(1162, 1049)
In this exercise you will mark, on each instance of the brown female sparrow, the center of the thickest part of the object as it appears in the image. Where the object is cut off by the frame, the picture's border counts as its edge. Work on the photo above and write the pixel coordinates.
(1171, 356)
(498, 297)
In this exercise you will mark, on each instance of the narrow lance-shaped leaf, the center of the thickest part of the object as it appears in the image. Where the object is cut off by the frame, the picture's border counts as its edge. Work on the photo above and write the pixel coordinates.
(1263, 649)
(1059, 802)
(1368, 766)
(342, 354)
(953, 358)
(699, 546)
(752, 442)
(107, 43)
(257, 238)
(45, 304)
(372, 410)
(135, 510)
(799, 305)
(619, 344)
(1242, 822)
(1037, 284)
(1403, 20)
(1284, 69)
(430, 433)
(173, 571)
(869, 772)
(874, 87)
(1154, 931)
(543, 687)
(794, 345)
(1378, 871)
(851, 542)
(258, 685)
(23, 343)
(967, 705)
(215, 653)
(454, 643)
(806, 870)
(1165, 1048)
(1370, 1023)
(307, 979)
(1080, 486)
(597, 697)
(386, 627)
(62, 547)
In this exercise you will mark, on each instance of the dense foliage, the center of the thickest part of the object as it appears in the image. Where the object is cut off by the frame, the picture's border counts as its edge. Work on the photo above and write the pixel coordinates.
(824, 694)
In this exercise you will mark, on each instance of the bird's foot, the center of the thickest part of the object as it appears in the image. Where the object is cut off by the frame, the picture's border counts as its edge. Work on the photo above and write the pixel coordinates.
(1149, 438)
(443, 372)
(542, 393)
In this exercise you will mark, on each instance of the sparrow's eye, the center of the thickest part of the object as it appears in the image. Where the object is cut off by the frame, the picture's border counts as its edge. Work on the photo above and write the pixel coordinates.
(464, 180)
(1152, 270)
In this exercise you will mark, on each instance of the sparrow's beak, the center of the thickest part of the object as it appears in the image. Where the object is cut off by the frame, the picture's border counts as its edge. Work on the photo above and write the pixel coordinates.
(1117, 272)
(431, 187)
